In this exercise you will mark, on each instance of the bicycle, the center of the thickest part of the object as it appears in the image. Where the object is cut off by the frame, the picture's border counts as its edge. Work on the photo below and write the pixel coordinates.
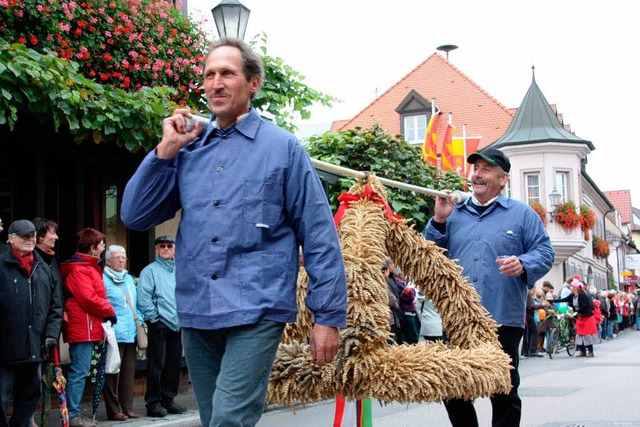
(562, 335)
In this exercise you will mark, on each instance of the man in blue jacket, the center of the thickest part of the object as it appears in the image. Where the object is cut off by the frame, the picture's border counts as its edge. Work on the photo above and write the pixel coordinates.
(250, 198)
(157, 303)
(503, 249)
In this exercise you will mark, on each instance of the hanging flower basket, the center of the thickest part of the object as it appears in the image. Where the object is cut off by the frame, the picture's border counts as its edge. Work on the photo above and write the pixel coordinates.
(541, 211)
(600, 247)
(587, 220)
(567, 216)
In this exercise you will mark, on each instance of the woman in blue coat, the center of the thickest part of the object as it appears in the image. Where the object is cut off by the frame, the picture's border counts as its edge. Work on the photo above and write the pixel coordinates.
(121, 293)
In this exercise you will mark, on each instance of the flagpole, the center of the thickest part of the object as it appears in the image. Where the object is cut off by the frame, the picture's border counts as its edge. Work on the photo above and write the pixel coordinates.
(464, 148)
(456, 196)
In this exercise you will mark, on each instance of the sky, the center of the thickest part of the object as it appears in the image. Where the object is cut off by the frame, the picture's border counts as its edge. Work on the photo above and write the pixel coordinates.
(584, 55)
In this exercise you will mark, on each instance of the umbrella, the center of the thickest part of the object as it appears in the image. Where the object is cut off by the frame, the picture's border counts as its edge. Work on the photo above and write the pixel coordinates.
(60, 385)
(47, 379)
(99, 379)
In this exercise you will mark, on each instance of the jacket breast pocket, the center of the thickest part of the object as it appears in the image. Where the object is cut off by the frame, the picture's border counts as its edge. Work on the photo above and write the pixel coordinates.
(508, 242)
(262, 201)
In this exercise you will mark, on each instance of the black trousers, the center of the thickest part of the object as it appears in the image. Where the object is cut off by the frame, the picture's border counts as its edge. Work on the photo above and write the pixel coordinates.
(164, 363)
(507, 408)
(21, 380)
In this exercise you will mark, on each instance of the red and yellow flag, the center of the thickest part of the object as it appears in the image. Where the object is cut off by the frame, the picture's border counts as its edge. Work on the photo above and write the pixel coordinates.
(458, 154)
(471, 146)
(447, 149)
(430, 142)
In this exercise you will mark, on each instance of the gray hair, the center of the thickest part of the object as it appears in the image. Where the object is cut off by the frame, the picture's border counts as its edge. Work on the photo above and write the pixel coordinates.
(114, 248)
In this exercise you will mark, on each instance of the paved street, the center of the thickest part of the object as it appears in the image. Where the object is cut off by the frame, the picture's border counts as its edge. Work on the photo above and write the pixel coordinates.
(564, 391)
(560, 392)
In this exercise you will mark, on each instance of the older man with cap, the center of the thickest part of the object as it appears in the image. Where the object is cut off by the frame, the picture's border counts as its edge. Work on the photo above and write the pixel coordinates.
(157, 302)
(30, 321)
(503, 248)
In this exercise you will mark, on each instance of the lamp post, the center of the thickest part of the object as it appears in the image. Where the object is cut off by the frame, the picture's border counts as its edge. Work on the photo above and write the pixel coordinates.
(231, 17)
(616, 241)
(555, 199)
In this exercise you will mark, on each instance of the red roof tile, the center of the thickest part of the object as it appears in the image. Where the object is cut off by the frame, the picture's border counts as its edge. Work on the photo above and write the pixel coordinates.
(454, 92)
(621, 200)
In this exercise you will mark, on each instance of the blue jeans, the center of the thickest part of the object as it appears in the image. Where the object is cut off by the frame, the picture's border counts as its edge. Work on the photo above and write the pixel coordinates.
(610, 325)
(77, 375)
(229, 370)
(21, 380)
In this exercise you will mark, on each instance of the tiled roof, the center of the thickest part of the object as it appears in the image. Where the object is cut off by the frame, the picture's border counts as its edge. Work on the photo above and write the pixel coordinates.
(536, 121)
(454, 92)
(621, 199)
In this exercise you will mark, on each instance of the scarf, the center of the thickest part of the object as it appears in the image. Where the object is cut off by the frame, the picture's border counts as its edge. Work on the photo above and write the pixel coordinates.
(169, 264)
(26, 261)
(117, 277)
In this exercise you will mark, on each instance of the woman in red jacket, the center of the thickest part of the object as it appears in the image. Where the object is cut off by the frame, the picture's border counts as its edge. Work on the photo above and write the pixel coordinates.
(86, 307)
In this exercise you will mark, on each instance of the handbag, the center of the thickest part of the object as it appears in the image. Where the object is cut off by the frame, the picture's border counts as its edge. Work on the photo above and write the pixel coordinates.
(141, 334)
(112, 360)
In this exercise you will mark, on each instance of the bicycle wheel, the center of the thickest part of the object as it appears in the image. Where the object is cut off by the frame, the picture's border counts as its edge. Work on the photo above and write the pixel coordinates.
(571, 346)
(552, 345)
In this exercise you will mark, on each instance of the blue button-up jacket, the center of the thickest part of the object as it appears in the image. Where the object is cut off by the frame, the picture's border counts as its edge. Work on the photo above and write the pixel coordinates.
(249, 196)
(475, 240)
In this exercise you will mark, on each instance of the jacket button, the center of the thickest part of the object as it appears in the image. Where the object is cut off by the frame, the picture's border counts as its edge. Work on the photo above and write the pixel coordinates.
(216, 203)
(214, 277)
(215, 240)
(220, 169)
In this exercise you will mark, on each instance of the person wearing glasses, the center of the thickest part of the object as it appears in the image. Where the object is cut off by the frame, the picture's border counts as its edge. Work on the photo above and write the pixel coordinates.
(30, 321)
(122, 294)
(157, 303)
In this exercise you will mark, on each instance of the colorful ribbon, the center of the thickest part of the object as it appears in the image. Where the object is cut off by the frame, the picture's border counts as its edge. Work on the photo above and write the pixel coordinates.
(369, 194)
(345, 416)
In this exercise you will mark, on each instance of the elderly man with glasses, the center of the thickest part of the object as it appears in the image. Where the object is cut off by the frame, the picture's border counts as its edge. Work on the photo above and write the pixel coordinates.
(30, 321)
(157, 303)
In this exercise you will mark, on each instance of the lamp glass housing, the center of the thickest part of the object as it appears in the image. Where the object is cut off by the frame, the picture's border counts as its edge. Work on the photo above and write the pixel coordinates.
(231, 18)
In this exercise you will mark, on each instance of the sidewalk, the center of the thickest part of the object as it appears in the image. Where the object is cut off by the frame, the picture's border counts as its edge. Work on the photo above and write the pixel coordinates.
(191, 418)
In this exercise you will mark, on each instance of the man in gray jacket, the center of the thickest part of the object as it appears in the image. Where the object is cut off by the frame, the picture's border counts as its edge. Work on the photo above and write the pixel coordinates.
(157, 303)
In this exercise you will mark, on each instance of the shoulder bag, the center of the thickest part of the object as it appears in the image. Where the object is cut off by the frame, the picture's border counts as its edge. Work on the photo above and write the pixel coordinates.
(141, 335)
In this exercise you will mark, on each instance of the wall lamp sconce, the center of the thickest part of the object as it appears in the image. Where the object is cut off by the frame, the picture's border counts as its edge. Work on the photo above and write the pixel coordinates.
(555, 199)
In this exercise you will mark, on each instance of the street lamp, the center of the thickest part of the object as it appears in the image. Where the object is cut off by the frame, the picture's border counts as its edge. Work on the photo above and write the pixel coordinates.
(616, 241)
(555, 199)
(231, 18)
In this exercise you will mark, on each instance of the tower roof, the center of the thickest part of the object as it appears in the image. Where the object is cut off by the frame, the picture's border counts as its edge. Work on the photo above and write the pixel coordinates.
(536, 122)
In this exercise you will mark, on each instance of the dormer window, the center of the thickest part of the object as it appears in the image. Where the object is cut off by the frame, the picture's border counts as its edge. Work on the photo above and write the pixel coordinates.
(414, 113)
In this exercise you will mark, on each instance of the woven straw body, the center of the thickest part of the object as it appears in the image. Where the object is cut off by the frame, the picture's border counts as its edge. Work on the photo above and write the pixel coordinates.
(471, 365)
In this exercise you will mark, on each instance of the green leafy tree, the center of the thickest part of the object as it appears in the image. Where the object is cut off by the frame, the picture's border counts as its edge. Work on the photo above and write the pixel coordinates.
(389, 157)
(120, 47)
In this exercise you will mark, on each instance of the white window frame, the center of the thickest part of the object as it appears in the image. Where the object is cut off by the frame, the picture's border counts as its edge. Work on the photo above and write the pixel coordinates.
(528, 197)
(562, 184)
(416, 124)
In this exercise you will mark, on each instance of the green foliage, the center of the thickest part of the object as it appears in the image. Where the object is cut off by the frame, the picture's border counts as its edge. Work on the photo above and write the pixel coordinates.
(90, 64)
(389, 157)
(284, 95)
(52, 89)
(128, 44)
